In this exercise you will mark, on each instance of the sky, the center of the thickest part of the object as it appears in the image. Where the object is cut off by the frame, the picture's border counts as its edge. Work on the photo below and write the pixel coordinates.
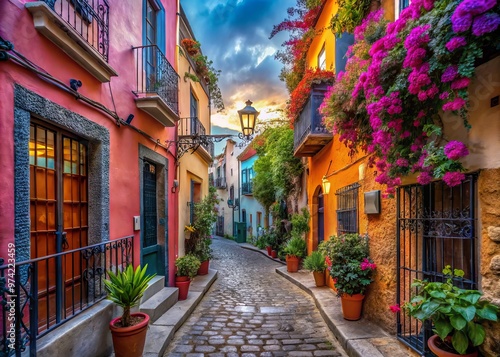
(234, 34)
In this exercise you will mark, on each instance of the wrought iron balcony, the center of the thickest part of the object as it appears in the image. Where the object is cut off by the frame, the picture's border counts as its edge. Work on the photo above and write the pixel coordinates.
(220, 182)
(192, 134)
(80, 28)
(310, 135)
(247, 188)
(46, 292)
(157, 85)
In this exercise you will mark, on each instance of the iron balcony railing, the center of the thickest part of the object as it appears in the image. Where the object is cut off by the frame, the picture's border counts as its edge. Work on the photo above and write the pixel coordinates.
(247, 188)
(40, 294)
(193, 129)
(155, 75)
(310, 120)
(89, 18)
(220, 182)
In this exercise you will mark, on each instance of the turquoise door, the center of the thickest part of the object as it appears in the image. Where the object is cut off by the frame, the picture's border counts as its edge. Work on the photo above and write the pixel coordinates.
(150, 247)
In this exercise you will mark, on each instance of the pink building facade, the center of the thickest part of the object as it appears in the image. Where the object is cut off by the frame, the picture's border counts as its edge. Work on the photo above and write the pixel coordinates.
(88, 108)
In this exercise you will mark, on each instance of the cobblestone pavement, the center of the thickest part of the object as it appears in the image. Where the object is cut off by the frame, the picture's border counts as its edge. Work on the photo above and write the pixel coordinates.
(251, 311)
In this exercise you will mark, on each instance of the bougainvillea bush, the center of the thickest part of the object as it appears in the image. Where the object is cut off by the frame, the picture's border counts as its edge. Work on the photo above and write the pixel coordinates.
(401, 76)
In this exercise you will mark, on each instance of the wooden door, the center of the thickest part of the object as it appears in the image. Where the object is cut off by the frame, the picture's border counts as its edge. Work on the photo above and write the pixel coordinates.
(58, 219)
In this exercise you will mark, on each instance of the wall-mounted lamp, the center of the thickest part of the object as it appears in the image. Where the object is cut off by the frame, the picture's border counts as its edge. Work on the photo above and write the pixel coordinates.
(75, 84)
(326, 185)
(175, 184)
(372, 202)
(129, 118)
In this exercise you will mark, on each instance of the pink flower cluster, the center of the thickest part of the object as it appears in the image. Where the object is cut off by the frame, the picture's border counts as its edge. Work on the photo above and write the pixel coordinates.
(455, 150)
(395, 308)
(366, 264)
(328, 262)
(453, 178)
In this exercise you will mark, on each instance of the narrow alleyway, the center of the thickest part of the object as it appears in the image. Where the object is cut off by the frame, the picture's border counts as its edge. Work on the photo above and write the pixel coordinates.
(251, 311)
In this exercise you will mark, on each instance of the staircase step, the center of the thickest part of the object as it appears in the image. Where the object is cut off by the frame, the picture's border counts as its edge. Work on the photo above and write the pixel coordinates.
(160, 302)
(154, 286)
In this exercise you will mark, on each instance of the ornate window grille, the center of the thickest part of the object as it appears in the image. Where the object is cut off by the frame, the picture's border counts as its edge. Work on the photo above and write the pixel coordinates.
(347, 209)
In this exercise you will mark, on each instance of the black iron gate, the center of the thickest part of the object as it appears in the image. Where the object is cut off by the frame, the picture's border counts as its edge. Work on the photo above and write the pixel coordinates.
(436, 226)
(219, 228)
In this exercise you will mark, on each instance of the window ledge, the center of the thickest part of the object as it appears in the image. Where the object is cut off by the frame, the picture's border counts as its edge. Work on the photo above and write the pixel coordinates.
(49, 24)
(158, 109)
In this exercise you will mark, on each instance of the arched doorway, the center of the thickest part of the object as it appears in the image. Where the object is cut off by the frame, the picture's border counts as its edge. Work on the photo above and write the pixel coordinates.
(318, 217)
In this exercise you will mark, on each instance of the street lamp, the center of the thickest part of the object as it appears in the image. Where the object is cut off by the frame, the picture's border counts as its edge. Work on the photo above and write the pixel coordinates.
(195, 139)
(326, 185)
(248, 118)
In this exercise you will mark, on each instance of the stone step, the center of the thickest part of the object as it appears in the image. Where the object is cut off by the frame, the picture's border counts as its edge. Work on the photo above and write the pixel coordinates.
(159, 303)
(154, 286)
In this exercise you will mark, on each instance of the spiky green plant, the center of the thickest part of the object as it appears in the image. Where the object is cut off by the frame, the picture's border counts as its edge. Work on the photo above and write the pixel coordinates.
(126, 289)
(315, 262)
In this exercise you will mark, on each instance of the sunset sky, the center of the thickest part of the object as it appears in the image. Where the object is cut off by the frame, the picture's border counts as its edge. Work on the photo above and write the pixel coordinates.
(234, 34)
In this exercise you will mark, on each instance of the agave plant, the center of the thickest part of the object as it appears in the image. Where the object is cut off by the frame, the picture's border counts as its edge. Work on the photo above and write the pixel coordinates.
(126, 289)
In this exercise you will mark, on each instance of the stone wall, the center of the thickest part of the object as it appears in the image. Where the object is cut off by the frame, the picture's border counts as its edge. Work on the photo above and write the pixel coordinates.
(489, 253)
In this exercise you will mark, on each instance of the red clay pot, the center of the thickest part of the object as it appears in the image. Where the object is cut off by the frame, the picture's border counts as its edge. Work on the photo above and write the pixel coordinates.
(433, 341)
(274, 254)
(182, 278)
(203, 270)
(319, 278)
(269, 250)
(351, 306)
(129, 341)
(183, 289)
(292, 263)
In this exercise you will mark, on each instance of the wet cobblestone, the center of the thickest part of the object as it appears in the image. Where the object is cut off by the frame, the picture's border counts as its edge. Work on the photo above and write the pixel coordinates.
(251, 311)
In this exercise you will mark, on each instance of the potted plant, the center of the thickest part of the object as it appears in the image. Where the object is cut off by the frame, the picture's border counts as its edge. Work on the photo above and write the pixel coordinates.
(351, 269)
(316, 264)
(128, 331)
(294, 250)
(187, 267)
(203, 252)
(456, 314)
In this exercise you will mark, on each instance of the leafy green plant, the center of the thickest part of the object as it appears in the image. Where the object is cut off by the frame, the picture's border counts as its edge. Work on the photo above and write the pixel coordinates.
(296, 247)
(203, 250)
(300, 222)
(349, 263)
(349, 15)
(187, 265)
(315, 262)
(454, 312)
(126, 289)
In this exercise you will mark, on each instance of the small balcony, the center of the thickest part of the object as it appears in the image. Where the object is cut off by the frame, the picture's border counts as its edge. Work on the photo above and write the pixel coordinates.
(191, 134)
(78, 27)
(247, 188)
(157, 85)
(310, 135)
(220, 182)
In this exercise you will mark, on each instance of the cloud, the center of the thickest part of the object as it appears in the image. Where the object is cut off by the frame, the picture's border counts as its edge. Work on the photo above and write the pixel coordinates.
(234, 34)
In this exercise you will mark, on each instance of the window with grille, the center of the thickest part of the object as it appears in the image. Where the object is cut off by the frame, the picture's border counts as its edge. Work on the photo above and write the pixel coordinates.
(347, 209)
(436, 226)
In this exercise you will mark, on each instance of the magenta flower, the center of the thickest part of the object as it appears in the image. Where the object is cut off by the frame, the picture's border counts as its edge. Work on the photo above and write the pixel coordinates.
(395, 308)
(366, 264)
(460, 83)
(449, 74)
(460, 23)
(402, 162)
(444, 95)
(455, 104)
(424, 178)
(474, 7)
(453, 178)
(454, 150)
(485, 23)
(455, 42)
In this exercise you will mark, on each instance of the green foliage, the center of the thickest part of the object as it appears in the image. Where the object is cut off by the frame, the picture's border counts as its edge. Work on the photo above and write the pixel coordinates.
(296, 247)
(228, 236)
(454, 312)
(205, 215)
(261, 242)
(277, 171)
(187, 265)
(349, 15)
(300, 222)
(315, 262)
(349, 265)
(126, 289)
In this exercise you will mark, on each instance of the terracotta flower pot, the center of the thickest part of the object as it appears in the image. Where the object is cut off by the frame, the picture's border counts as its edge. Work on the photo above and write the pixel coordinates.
(181, 278)
(351, 306)
(274, 254)
(129, 341)
(292, 263)
(269, 250)
(434, 341)
(319, 278)
(203, 270)
(183, 289)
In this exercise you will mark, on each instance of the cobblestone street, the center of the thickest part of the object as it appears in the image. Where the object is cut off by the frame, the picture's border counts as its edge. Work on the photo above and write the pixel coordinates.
(252, 311)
